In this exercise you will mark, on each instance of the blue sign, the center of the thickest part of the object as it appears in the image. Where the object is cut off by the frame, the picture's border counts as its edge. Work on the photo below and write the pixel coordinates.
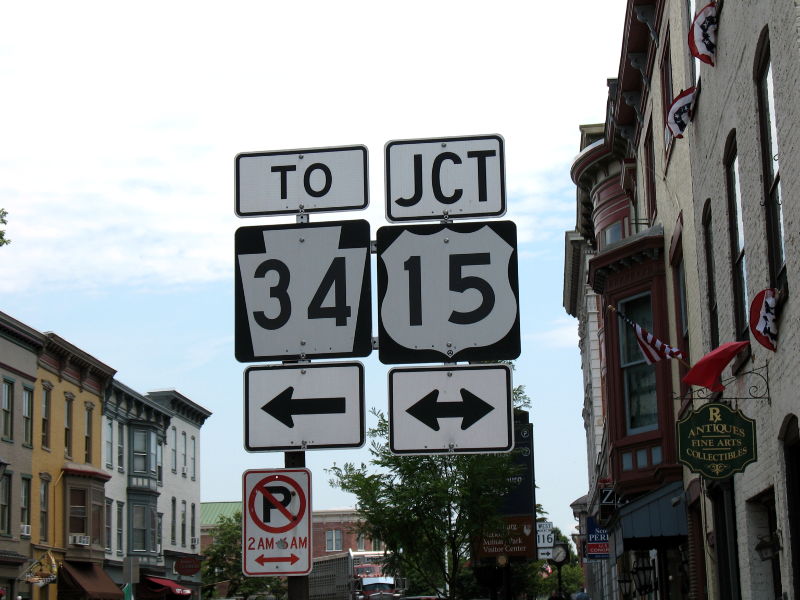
(596, 540)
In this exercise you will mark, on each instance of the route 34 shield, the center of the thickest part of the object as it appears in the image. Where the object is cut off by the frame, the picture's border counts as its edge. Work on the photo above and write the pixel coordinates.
(276, 522)
(448, 292)
(303, 291)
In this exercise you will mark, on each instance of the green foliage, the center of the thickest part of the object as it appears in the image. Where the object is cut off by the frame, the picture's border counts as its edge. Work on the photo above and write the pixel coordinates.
(223, 563)
(426, 509)
(3, 239)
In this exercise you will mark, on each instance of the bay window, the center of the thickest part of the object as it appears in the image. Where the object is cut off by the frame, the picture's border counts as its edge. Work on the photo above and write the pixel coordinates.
(638, 377)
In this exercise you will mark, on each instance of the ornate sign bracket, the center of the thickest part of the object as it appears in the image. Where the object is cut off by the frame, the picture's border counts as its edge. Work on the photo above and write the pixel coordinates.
(758, 388)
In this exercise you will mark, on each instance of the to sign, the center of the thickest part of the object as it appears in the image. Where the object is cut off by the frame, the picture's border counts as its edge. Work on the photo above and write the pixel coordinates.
(450, 409)
(448, 292)
(276, 536)
(303, 291)
(304, 407)
(291, 181)
(453, 177)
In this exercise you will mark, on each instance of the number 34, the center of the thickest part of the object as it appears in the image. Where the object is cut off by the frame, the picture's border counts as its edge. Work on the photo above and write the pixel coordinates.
(334, 279)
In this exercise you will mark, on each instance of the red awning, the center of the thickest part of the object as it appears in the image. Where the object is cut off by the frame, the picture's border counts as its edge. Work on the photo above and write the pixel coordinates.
(173, 586)
(91, 578)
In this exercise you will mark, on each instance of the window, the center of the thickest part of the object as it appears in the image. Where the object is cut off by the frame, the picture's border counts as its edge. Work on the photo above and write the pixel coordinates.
(193, 459)
(192, 531)
(771, 170)
(109, 514)
(121, 446)
(612, 233)
(159, 526)
(46, 397)
(109, 444)
(139, 528)
(139, 451)
(120, 525)
(361, 542)
(173, 444)
(27, 416)
(649, 174)
(333, 540)
(693, 71)
(667, 95)
(173, 521)
(153, 452)
(68, 427)
(5, 504)
(87, 434)
(639, 378)
(25, 501)
(153, 537)
(183, 523)
(7, 410)
(739, 265)
(711, 286)
(377, 544)
(160, 463)
(77, 511)
(98, 521)
(44, 509)
(183, 452)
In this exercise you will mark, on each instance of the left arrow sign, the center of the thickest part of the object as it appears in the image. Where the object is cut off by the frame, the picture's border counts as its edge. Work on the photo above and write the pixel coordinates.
(283, 407)
(471, 409)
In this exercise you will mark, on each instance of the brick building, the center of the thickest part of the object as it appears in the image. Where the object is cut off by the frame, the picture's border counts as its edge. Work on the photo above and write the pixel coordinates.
(680, 235)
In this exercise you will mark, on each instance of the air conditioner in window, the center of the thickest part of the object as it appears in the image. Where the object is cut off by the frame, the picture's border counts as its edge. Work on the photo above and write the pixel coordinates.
(195, 541)
(80, 540)
(24, 529)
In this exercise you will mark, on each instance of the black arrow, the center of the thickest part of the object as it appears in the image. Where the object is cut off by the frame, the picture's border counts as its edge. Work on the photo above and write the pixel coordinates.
(471, 409)
(282, 407)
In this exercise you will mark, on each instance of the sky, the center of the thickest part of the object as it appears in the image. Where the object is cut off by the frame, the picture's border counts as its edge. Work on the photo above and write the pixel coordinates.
(119, 126)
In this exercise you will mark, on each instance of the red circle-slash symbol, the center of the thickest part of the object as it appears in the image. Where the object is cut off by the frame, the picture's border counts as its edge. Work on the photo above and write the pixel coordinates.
(261, 491)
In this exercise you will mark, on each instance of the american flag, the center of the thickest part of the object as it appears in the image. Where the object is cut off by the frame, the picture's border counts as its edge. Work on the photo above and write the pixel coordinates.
(652, 348)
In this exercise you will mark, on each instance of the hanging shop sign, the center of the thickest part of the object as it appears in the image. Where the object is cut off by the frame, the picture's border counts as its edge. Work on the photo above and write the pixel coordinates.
(42, 571)
(716, 441)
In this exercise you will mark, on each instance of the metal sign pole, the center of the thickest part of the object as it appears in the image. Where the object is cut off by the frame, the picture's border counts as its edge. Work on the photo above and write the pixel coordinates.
(297, 587)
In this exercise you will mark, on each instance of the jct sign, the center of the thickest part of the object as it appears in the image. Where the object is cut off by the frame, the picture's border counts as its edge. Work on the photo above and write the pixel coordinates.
(276, 533)
(453, 177)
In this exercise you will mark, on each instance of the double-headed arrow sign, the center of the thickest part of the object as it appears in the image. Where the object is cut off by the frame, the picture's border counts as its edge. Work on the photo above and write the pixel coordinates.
(283, 404)
(262, 560)
(470, 410)
(450, 409)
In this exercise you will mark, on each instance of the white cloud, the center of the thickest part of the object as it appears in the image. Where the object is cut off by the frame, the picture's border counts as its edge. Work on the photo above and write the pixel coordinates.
(117, 166)
(563, 333)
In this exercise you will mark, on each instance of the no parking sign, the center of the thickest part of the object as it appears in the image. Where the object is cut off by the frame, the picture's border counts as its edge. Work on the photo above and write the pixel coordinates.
(276, 534)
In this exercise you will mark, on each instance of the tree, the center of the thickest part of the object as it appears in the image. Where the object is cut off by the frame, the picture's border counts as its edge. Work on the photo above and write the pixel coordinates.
(3, 239)
(223, 564)
(426, 509)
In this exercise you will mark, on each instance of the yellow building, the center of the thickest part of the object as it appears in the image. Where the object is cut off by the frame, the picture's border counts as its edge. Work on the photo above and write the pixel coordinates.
(68, 509)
